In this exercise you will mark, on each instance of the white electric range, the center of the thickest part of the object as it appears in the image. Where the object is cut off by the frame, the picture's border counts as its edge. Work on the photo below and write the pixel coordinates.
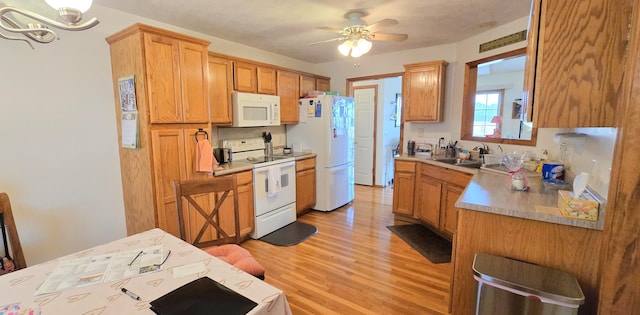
(274, 185)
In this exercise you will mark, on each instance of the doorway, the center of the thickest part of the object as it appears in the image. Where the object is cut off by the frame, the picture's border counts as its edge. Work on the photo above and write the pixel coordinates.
(384, 133)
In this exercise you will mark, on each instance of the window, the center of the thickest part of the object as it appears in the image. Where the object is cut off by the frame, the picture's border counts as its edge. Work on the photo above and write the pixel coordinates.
(487, 106)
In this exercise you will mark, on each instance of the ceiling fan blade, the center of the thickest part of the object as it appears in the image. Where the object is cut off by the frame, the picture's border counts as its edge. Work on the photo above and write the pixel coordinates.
(389, 37)
(381, 24)
(330, 29)
(326, 41)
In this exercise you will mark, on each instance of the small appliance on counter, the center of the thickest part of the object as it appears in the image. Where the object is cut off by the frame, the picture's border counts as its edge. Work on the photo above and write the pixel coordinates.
(423, 149)
(222, 155)
(411, 147)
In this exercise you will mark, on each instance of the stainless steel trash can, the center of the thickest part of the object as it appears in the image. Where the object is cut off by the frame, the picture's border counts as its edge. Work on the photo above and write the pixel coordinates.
(508, 286)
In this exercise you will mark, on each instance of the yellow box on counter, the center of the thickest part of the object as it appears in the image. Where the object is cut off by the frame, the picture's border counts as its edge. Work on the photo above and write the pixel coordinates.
(585, 207)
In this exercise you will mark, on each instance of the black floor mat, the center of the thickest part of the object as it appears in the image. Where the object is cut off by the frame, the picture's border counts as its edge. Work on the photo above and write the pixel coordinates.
(291, 234)
(429, 244)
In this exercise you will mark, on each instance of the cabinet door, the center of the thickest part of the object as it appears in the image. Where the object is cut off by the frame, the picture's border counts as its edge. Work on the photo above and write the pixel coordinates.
(163, 78)
(428, 194)
(245, 202)
(449, 212)
(323, 84)
(424, 86)
(220, 80)
(266, 80)
(169, 163)
(245, 205)
(244, 77)
(403, 191)
(580, 64)
(194, 83)
(307, 84)
(305, 190)
(289, 96)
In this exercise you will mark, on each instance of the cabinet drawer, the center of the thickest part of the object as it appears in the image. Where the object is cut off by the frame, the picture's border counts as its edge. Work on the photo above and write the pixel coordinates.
(305, 164)
(404, 166)
(446, 175)
(244, 178)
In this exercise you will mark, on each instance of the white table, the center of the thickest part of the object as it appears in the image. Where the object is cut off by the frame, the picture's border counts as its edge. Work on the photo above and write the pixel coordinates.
(107, 298)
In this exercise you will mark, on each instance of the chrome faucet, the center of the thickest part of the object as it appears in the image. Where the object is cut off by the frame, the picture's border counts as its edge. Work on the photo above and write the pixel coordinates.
(499, 147)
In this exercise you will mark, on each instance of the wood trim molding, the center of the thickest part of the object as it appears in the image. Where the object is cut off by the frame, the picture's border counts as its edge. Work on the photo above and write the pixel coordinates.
(620, 259)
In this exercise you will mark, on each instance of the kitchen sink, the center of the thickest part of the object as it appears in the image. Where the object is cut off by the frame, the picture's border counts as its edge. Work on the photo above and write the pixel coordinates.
(459, 162)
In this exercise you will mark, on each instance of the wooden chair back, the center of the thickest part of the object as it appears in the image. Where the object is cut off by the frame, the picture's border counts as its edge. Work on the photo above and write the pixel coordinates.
(14, 251)
(219, 189)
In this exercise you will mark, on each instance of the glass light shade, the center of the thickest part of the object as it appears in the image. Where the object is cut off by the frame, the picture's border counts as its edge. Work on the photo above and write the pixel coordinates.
(361, 47)
(80, 5)
(345, 47)
(364, 45)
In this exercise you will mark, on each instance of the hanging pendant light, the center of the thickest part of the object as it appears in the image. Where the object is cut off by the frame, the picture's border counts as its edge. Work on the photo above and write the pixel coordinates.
(37, 30)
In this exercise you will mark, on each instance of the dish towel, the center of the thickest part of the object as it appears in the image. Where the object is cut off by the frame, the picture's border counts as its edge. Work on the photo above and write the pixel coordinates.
(204, 156)
(274, 185)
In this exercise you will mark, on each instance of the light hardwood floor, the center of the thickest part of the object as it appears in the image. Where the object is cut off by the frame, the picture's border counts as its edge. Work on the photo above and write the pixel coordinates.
(355, 265)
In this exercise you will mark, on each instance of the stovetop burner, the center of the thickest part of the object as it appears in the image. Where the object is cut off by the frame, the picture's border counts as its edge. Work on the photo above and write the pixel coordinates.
(263, 159)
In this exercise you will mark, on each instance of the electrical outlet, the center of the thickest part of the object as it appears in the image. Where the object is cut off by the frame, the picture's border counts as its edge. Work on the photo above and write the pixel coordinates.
(420, 132)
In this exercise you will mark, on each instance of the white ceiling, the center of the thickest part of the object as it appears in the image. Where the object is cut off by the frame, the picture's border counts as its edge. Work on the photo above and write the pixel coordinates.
(286, 26)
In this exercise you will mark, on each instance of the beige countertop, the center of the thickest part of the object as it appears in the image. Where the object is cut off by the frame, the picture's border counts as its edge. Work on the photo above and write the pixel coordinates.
(489, 192)
(234, 167)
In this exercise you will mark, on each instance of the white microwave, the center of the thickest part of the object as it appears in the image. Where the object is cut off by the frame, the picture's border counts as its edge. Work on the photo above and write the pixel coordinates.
(255, 110)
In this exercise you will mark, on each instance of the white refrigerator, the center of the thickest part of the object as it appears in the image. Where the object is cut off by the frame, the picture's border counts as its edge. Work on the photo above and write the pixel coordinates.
(326, 128)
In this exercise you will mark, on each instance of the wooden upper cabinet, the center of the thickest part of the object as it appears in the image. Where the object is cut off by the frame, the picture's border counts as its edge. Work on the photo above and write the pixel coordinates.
(266, 80)
(424, 91)
(289, 96)
(307, 84)
(220, 89)
(245, 77)
(194, 79)
(176, 79)
(580, 62)
(323, 84)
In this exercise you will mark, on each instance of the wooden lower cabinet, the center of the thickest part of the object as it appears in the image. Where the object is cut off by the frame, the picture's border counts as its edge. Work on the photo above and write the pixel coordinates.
(448, 210)
(403, 188)
(571, 249)
(305, 184)
(428, 194)
(173, 152)
(437, 191)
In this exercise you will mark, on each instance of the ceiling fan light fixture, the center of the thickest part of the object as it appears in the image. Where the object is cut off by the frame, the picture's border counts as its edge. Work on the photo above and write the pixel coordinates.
(345, 47)
(361, 47)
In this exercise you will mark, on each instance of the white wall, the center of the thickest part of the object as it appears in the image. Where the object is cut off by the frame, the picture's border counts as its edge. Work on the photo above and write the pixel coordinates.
(59, 161)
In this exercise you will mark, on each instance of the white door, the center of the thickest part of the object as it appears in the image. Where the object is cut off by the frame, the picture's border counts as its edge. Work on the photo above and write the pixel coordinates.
(365, 104)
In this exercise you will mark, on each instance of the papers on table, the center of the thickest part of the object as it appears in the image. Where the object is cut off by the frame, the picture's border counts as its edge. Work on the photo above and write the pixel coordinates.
(104, 268)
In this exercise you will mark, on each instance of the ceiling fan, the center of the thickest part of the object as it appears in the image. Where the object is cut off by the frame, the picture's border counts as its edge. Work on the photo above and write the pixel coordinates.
(357, 35)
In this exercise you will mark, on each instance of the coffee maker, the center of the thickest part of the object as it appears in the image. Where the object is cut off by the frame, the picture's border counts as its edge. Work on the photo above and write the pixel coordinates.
(411, 147)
